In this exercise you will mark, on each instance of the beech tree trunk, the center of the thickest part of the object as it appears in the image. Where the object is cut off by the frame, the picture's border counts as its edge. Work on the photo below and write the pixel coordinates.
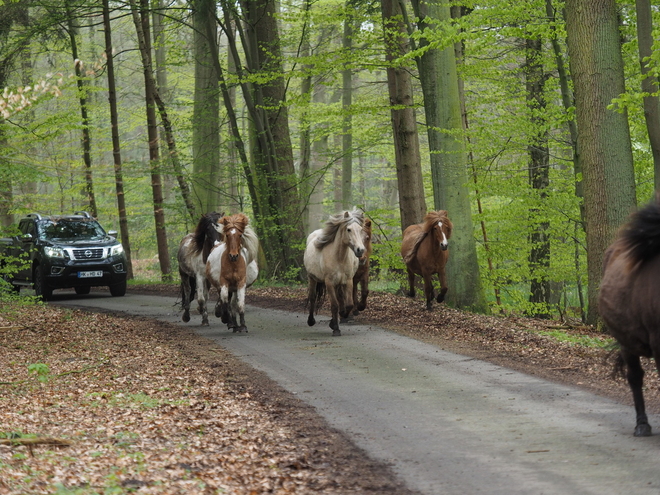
(116, 150)
(412, 203)
(605, 152)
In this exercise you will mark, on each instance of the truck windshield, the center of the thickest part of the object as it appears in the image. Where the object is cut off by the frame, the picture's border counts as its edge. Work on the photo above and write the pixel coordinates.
(71, 229)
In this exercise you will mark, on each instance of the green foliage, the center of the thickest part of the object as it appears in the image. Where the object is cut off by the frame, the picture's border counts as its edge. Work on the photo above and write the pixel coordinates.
(41, 370)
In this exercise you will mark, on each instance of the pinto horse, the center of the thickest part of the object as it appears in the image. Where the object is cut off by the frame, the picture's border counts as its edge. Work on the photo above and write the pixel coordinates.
(332, 257)
(361, 276)
(193, 251)
(629, 300)
(425, 252)
(232, 268)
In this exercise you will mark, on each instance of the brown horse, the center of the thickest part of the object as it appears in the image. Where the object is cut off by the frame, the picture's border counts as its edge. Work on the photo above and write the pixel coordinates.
(331, 259)
(629, 300)
(193, 252)
(424, 251)
(361, 276)
(232, 268)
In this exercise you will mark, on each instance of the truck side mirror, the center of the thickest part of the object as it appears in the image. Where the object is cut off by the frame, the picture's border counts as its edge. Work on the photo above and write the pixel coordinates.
(25, 237)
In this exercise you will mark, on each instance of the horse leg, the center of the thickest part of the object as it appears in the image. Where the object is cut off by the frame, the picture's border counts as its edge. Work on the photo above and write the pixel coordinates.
(202, 296)
(334, 308)
(311, 300)
(442, 276)
(185, 297)
(356, 308)
(345, 298)
(364, 292)
(238, 307)
(411, 283)
(223, 308)
(428, 290)
(635, 377)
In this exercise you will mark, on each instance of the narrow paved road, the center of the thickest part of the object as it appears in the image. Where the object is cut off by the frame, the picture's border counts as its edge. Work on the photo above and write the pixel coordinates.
(447, 423)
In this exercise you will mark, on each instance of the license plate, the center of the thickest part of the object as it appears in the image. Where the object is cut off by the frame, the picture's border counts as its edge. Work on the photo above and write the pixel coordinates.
(94, 274)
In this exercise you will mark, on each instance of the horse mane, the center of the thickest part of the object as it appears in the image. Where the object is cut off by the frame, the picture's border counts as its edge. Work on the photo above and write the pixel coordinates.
(199, 236)
(334, 223)
(419, 234)
(641, 235)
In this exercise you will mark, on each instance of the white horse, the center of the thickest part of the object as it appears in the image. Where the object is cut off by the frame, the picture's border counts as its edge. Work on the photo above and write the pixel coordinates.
(332, 257)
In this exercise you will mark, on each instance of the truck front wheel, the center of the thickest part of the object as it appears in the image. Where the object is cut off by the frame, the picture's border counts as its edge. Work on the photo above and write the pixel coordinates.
(41, 287)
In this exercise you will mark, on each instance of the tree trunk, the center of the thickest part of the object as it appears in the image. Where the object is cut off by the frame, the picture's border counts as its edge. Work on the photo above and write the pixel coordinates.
(206, 109)
(649, 83)
(82, 98)
(347, 118)
(442, 104)
(412, 204)
(116, 151)
(604, 145)
(141, 21)
(539, 180)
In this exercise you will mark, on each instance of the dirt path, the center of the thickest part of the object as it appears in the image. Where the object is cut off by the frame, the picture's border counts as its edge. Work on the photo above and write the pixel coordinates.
(447, 423)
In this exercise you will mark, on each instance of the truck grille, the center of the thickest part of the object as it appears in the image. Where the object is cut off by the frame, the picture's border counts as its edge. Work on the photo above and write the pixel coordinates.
(88, 254)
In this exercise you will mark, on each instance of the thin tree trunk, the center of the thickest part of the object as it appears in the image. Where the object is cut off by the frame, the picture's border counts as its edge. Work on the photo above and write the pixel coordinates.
(649, 83)
(605, 151)
(82, 98)
(539, 179)
(412, 204)
(347, 118)
(116, 151)
(141, 21)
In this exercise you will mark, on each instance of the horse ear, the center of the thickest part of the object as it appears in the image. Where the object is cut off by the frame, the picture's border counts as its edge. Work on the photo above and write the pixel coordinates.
(346, 214)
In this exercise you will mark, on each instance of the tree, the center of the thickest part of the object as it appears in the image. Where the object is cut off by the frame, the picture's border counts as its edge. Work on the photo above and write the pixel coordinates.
(412, 204)
(206, 109)
(442, 104)
(603, 139)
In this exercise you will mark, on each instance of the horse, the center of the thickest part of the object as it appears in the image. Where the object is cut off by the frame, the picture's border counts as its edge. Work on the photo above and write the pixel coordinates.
(629, 300)
(361, 276)
(194, 249)
(232, 268)
(332, 257)
(425, 252)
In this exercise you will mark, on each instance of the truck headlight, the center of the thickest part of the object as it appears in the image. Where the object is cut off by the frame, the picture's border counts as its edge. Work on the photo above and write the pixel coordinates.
(116, 250)
(54, 252)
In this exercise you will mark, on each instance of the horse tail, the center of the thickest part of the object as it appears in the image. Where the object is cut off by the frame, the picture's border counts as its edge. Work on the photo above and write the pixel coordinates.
(193, 287)
(641, 236)
(619, 368)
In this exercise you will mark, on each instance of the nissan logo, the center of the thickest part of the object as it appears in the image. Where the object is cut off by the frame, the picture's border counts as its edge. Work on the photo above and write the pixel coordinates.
(88, 253)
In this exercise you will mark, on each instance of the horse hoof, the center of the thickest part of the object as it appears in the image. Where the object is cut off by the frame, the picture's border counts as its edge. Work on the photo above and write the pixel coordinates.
(225, 318)
(440, 298)
(643, 430)
(218, 313)
(311, 321)
(186, 317)
(361, 307)
(336, 333)
(205, 322)
(356, 312)
(240, 329)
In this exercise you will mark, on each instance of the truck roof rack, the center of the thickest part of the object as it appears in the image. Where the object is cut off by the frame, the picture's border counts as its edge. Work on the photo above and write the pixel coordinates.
(83, 213)
(34, 215)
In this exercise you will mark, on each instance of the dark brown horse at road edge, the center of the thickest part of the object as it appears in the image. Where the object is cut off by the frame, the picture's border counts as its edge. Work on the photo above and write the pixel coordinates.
(425, 252)
(629, 300)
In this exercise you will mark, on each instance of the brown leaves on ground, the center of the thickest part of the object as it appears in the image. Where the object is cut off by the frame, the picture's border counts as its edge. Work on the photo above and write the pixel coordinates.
(151, 407)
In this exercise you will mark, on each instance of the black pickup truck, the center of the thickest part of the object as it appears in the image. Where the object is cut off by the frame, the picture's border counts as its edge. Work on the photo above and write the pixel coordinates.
(64, 251)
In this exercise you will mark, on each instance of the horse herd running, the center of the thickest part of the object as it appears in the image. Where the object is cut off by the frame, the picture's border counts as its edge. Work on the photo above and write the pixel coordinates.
(222, 252)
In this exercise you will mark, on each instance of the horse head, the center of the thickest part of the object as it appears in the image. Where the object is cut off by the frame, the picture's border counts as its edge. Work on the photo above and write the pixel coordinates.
(353, 234)
(440, 227)
(233, 228)
(366, 240)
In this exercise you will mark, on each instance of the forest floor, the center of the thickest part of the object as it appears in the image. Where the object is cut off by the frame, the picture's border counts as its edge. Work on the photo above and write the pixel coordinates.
(106, 404)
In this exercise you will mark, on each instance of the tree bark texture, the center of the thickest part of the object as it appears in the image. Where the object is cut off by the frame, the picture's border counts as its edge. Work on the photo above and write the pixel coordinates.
(116, 149)
(141, 21)
(649, 83)
(206, 110)
(604, 145)
(442, 105)
(412, 203)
